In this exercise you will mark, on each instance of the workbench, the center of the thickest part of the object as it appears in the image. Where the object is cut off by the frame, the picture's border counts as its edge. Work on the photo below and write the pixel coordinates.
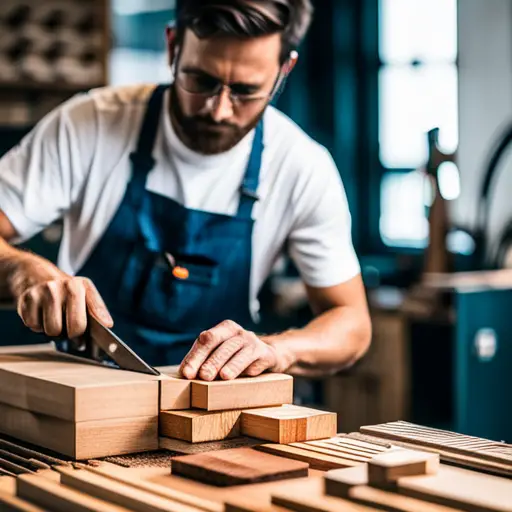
(355, 471)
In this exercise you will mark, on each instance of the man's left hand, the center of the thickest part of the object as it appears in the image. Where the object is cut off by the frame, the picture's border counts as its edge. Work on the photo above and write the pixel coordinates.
(229, 351)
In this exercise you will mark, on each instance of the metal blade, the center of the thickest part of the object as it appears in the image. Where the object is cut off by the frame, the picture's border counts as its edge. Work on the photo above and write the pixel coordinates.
(116, 349)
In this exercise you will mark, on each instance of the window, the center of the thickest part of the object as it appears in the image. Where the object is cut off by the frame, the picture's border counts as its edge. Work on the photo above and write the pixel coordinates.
(418, 91)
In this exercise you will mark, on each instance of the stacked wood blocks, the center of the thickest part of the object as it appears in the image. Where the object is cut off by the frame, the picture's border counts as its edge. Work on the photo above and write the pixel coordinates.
(77, 409)
(258, 407)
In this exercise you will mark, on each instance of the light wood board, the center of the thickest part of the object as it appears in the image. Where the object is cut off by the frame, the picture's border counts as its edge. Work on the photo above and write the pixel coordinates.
(236, 467)
(461, 488)
(58, 498)
(175, 391)
(58, 386)
(84, 440)
(264, 390)
(288, 424)
(197, 425)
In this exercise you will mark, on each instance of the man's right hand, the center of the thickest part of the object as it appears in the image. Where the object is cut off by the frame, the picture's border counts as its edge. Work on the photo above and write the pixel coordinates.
(49, 300)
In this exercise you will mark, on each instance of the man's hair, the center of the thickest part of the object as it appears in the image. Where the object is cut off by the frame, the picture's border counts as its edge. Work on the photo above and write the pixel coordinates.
(246, 19)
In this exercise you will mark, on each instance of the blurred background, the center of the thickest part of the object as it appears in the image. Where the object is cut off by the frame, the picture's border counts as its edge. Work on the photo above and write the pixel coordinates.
(414, 100)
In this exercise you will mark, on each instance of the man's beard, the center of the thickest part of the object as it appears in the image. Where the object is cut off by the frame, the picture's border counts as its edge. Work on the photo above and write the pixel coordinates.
(203, 134)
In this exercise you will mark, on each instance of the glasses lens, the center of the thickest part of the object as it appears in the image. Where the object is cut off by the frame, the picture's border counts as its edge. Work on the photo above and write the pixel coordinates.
(198, 84)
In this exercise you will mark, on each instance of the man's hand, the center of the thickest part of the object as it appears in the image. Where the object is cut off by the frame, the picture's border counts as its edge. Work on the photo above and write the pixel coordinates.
(51, 301)
(228, 351)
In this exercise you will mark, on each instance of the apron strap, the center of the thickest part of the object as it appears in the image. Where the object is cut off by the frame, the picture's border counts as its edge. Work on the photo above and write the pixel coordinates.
(251, 180)
(142, 158)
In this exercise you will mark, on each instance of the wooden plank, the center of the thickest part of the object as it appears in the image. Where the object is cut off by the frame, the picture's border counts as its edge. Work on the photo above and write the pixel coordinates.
(288, 424)
(131, 479)
(120, 493)
(314, 459)
(197, 425)
(264, 390)
(175, 391)
(388, 467)
(333, 453)
(237, 466)
(310, 497)
(460, 488)
(88, 439)
(338, 482)
(58, 498)
(186, 448)
(52, 384)
(14, 504)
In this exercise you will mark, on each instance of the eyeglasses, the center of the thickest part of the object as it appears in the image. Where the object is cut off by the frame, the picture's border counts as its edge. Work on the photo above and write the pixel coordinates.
(207, 86)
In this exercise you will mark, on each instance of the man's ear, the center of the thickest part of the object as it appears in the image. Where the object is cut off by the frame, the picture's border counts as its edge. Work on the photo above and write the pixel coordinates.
(170, 36)
(290, 63)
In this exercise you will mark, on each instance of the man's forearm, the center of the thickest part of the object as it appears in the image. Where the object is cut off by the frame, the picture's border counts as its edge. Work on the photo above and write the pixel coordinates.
(332, 341)
(9, 259)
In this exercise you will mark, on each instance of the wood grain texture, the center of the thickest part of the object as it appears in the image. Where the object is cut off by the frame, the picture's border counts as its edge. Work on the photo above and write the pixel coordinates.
(288, 424)
(390, 466)
(88, 439)
(310, 497)
(137, 481)
(58, 498)
(120, 493)
(236, 467)
(58, 386)
(175, 391)
(186, 448)
(462, 489)
(197, 425)
(265, 390)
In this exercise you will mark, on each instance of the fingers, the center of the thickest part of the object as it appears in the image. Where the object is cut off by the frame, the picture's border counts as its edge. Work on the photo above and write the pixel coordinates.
(52, 311)
(238, 363)
(205, 344)
(76, 309)
(95, 303)
(222, 354)
(29, 311)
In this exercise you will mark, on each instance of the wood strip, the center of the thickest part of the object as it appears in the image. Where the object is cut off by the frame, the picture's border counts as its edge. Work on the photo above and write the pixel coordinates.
(355, 444)
(120, 493)
(326, 451)
(460, 488)
(159, 490)
(31, 454)
(59, 498)
(15, 504)
(314, 459)
(344, 449)
(30, 464)
(12, 467)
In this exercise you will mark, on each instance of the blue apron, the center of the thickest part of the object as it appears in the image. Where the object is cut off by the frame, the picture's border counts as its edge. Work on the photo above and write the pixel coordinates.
(156, 311)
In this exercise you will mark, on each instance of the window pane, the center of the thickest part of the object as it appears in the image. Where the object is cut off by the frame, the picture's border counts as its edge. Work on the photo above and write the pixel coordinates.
(424, 30)
(413, 100)
(403, 220)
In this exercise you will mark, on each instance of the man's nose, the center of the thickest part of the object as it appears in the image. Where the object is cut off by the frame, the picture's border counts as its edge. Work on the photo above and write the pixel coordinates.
(221, 106)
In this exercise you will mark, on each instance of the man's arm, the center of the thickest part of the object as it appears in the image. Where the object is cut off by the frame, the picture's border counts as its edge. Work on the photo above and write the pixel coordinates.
(47, 299)
(335, 339)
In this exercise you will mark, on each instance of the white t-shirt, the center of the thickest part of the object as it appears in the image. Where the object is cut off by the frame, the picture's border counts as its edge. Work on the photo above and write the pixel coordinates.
(75, 165)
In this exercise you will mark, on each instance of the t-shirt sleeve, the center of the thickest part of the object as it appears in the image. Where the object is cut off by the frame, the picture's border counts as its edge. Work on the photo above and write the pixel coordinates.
(42, 175)
(320, 241)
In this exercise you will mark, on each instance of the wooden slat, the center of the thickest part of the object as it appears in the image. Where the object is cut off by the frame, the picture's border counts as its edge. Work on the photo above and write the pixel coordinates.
(264, 390)
(14, 504)
(120, 493)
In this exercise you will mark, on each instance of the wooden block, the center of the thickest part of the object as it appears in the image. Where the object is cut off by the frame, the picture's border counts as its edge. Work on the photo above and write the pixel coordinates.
(461, 489)
(54, 385)
(84, 440)
(265, 390)
(310, 497)
(196, 426)
(186, 448)
(338, 482)
(175, 391)
(120, 493)
(237, 466)
(53, 496)
(314, 459)
(390, 466)
(288, 424)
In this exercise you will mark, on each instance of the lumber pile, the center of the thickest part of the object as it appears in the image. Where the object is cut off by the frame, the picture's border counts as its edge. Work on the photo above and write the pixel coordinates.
(256, 407)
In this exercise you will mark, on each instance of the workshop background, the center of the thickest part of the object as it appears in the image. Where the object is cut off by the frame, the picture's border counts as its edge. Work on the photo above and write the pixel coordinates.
(414, 100)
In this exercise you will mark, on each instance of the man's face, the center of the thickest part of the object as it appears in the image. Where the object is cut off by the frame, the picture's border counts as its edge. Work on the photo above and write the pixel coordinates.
(210, 123)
